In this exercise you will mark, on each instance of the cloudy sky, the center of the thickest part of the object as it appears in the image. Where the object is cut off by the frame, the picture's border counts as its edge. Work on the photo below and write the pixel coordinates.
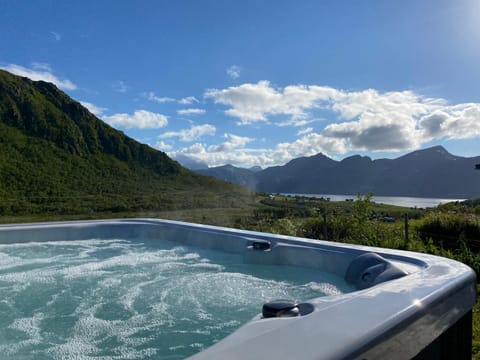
(261, 82)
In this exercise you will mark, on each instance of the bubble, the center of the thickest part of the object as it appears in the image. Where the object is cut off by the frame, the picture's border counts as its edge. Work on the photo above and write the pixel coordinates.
(120, 299)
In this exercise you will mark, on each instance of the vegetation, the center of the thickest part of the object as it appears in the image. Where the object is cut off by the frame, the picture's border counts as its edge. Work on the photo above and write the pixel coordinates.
(59, 162)
(453, 235)
(57, 158)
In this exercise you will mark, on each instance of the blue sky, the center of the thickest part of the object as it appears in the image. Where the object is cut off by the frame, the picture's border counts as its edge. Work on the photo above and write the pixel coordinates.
(261, 82)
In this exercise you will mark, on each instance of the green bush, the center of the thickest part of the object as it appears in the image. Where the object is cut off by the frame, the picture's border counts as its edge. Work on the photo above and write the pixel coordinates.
(450, 231)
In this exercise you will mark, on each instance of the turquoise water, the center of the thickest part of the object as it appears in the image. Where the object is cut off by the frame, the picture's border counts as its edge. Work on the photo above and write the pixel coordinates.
(118, 299)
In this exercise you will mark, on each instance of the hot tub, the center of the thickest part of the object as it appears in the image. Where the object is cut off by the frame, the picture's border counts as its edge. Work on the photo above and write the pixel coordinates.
(391, 304)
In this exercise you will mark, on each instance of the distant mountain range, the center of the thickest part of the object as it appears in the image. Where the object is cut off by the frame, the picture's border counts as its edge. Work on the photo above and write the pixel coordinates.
(57, 157)
(431, 172)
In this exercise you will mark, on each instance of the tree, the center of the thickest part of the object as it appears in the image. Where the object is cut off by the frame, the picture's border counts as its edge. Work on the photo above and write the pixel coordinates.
(362, 208)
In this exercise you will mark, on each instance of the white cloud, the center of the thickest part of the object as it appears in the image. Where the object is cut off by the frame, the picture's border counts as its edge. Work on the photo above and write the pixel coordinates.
(41, 66)
(353, 104)
(388, 137)
(234, 71)
(255, 102)
(120, 87)
(56, 35)
(190, 111)
(163, 146)
(151, 96)
(309, 145)
(233, 142)
(39, 73)
(365, 120)
(362, 120)
(454, 122)
(381, 121)
(390, 131)
(94, 109)
(237, 157)
(233, 151)
(188, 100)
(304, 131)
(294, 122)
(141, 119)
(194, 133)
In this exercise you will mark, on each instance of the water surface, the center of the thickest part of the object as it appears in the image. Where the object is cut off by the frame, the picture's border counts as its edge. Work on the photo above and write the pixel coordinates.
(390, 200)
(118, 299)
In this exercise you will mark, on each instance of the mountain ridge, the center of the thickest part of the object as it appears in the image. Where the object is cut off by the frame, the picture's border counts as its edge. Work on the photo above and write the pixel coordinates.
(58, 157)
(429, 172)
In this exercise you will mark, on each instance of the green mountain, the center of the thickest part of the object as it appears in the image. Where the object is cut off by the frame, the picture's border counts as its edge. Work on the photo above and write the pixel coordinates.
(55, 156)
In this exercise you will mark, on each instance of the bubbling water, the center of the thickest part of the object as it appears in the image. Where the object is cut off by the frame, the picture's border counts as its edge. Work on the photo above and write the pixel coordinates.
(119, 299)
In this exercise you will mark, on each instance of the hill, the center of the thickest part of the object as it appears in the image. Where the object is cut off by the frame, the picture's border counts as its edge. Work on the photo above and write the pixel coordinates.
(431, 172)
(58, 157)
(232, 174)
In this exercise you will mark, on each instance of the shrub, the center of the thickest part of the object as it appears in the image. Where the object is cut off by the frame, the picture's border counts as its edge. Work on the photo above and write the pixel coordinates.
(450, 230)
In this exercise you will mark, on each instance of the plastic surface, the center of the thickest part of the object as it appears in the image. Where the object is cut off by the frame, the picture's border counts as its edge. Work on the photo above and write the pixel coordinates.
(392, 318)
(370, 269)
(280, 308)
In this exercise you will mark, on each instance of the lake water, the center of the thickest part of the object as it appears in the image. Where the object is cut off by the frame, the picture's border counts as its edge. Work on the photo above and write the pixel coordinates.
(390, 200)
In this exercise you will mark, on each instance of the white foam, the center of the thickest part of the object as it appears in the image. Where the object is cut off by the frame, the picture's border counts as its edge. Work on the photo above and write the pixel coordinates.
(325, 288)
(7, 261)
(134, 292)
(208, 266)
(126, 299)
(30, 326)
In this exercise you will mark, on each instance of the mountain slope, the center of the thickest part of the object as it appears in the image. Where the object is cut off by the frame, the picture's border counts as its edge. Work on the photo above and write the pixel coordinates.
(297, 175)
(56, 156)
(40, 109)
(231, 174)
(432, 172)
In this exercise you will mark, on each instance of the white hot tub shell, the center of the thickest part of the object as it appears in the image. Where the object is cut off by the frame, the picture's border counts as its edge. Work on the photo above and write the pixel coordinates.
(424, 312)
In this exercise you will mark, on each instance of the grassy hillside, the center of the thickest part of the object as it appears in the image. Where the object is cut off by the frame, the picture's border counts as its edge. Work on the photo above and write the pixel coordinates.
(56, 157)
